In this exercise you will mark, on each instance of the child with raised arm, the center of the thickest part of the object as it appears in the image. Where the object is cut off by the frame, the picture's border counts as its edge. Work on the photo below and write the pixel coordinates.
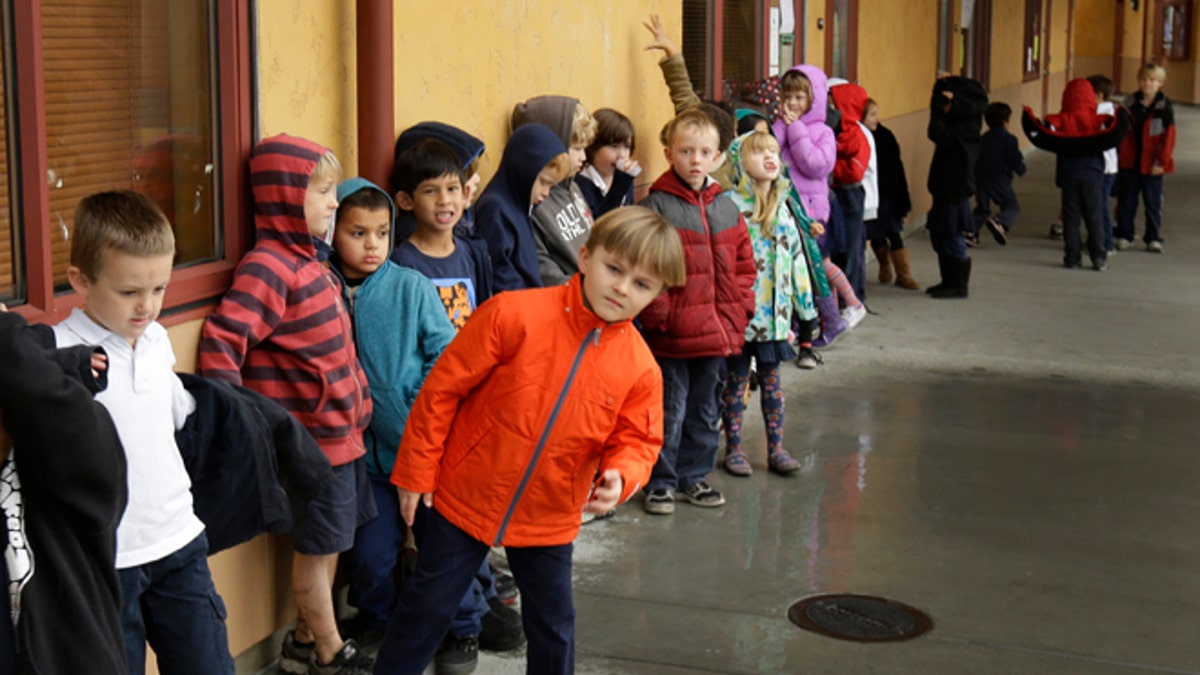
(121, 259)
(283, 330)
(548, 403)
(692, 329)
(62, 493)
(781, 289)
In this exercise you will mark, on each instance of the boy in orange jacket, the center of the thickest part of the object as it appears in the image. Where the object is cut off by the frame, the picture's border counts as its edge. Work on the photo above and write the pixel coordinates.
(547, 404)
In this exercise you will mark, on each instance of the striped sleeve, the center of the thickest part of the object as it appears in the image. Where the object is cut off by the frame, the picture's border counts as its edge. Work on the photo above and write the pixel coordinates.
(248, 313)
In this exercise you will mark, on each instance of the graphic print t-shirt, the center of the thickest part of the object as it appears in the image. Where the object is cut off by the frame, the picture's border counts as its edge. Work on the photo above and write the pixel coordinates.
(452, 276)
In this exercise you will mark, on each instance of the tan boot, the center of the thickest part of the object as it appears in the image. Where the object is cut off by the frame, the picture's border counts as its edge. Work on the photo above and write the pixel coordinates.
(883, 255)
(903, 275)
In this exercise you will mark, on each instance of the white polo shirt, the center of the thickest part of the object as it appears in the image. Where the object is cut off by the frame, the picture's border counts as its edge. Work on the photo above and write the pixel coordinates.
(147, 403)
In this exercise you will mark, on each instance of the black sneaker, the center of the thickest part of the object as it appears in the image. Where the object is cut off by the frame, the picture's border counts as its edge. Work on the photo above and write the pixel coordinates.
(501, 628)
(702, 494)
(659, 503)
(294, 656)
(347, 661)
(997, 230)
(458, 655)
(506, 586)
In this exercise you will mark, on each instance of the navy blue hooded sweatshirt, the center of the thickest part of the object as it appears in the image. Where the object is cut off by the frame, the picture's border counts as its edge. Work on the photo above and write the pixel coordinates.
(502, 212)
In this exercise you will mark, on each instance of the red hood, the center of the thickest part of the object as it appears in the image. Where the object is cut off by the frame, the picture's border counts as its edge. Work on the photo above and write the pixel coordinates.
(1078, 116)
(851, 100)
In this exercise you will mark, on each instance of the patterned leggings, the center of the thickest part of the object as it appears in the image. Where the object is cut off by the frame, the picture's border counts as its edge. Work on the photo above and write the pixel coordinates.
(734, 408)
(841, 285)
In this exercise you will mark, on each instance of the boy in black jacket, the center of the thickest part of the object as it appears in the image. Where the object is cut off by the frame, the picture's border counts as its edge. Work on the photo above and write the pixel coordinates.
(955, 119)
(62, 493)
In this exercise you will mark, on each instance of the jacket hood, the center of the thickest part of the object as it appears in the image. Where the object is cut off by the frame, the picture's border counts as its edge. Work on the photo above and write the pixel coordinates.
(1078, 116)
(820, 92)
(356, 184)
(466, 147)
(851, 100)
(743, 184)
(556, 112)
(280, 167)
(529, 150)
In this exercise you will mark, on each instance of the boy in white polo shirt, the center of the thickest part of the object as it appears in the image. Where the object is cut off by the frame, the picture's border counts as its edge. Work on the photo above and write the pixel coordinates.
(121, 257)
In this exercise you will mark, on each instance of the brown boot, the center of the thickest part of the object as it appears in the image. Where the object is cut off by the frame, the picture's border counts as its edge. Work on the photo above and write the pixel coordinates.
(883, 255)
(903, 275)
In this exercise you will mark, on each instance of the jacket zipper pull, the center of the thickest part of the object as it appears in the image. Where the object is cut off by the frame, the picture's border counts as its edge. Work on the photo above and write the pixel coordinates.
(596, 338)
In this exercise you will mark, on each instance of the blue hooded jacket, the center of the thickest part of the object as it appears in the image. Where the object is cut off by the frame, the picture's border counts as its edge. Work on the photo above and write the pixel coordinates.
(502, 212)
(465, 147)
(400, 328)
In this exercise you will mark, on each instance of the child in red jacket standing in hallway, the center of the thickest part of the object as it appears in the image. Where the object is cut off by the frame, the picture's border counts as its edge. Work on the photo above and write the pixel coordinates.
(1144, 157)
(693, 329)
(547, 404)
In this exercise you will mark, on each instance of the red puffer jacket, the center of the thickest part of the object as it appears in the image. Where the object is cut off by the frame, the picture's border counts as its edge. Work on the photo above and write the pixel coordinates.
(533, 398)
(708, 315)
(853, 150)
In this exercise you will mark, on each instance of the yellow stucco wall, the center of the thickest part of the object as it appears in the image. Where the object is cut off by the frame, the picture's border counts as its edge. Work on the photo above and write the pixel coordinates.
(1095, 26)
(1008, 38)
(901, 85)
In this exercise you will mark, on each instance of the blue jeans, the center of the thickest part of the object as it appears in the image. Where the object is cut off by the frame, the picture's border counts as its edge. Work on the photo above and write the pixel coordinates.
(690, 416)
(447, 564)
(1005, 199)
(1081, 200)
(946, 222)
(1130, 184)
(371, 566)
(1106, 188)
(851, 198)
(173, 604)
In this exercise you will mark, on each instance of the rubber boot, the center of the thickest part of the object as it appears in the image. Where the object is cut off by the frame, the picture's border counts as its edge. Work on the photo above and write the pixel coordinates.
(832, 323)
(945, 273)
(883, 255)
(960, 277)
(903, 271)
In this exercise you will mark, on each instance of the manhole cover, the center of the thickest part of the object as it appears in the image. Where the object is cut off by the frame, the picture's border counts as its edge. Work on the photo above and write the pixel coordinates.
(862, 618)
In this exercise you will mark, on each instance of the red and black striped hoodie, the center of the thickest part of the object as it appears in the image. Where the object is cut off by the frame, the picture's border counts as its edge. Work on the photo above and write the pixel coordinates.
(282, 329)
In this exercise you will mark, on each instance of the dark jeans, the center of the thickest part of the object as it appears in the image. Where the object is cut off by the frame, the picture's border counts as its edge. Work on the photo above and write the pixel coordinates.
(946, 222)
(1082, 200)
(851, 199)
(1130, 184)
(1106, 188)
(447, 564)
(1004, 198)
(690, 416)
(371, 567)
(173, 604)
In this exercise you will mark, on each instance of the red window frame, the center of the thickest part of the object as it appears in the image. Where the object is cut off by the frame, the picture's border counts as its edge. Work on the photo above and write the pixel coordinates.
(192, 288)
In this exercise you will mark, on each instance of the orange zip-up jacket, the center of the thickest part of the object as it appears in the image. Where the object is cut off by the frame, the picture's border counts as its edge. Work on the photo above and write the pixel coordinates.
(534, 396)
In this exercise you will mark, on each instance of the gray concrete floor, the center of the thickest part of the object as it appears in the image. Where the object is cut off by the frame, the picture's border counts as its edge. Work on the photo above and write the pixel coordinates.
(1020, 465)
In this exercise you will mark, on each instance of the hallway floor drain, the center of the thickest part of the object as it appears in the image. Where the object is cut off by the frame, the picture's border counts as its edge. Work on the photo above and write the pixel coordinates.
(862, 618)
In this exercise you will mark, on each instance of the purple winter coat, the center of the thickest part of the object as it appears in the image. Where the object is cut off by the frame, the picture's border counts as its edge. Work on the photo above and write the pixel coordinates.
(809, 148)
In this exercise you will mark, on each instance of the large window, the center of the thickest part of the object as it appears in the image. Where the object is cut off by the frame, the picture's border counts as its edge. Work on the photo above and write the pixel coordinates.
(841, 43)
(150, 95)
(727, 43)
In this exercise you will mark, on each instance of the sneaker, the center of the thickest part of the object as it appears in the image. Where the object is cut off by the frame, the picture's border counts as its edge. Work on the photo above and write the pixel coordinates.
(782, 463)
(971, 239)
(500, 629)
(348, 661)
(1123, 244)
(659, 503)
(997, 230)
(1154, 247)
(853, 315)
(505, 585)
(1099, 264)
(1056, 230)
(457, 655)
(808, 359)
(294, 656)
(736, 464)
(702, 494)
